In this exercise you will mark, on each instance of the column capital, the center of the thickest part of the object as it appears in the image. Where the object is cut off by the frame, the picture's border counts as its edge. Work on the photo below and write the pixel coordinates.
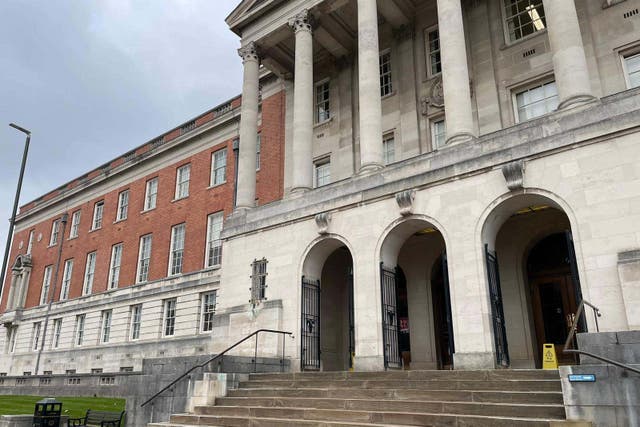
(303, 21)
(250, 52)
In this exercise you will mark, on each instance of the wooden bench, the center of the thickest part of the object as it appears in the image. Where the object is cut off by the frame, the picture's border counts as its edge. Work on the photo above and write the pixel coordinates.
(99, 418)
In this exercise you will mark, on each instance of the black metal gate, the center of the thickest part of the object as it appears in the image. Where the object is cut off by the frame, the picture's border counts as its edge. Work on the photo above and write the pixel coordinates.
(352, 331)
(497, 313)
(310, 328)
(390, 318)
(447, 297)
(582, 324)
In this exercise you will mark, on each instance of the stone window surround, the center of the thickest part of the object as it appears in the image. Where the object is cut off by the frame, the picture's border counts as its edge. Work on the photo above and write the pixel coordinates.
(106, 318)
(390, 92)
(57, 330)
(207, 310)
(432, 134)
(317, 163)
(623, 53)
(325, 103)
(427, 50)
(387, 136)
(168, 324)
(135, 322)
(505, 26)
(78, 333)
(515, 90)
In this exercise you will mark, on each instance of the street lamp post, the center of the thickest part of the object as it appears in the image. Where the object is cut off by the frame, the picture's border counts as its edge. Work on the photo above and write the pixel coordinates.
(15, 202)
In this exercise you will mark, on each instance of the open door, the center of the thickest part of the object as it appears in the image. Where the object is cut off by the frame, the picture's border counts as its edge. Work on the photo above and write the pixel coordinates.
(497, 312)
(310, 328)
(392, 359)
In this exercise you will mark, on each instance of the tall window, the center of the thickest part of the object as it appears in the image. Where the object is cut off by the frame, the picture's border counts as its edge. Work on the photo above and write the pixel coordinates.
(98, 211)
(537, 101)
(66, 279)
(258, 280)
(89, 273)
(632, 67)
(524, 17)
(144, 258)
(57, 329)
(389, 148)
(438, 133)
(105, 328)
(219, 167)
(123, 205)
(386, 86)
(55, 232)
(46, 284)
(322, 173)
(433, 51)
(214, 244)
(114, 266)
(258, 148)
(176, 255)
(169, 317)
(79, 330)
(136, 322)
(36, 335)
(323, 111)
(183, 176)
(12, 332)
(75, 224)
(151, 194)
(30, 243)
(207, 311)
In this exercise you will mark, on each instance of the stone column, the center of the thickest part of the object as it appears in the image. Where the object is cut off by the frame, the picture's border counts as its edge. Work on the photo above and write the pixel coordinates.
(569, 61)
(303, 103)
(369, 87)
(248, 128)
(455, 73)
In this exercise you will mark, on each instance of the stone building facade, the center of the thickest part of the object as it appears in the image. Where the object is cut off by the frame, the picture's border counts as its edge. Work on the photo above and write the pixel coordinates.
(440, 184)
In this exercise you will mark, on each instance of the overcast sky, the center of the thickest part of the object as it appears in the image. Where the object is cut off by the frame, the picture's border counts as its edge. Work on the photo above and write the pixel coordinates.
(93, 79)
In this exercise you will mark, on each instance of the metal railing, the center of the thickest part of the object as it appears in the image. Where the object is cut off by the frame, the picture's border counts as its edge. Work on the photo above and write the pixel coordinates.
(221, 354)
(574, 327)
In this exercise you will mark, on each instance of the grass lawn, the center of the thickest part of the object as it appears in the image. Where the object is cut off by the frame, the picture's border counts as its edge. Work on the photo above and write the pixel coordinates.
(74, 407)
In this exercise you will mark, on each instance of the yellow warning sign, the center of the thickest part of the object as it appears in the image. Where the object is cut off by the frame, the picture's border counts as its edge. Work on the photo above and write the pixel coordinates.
(549, 360)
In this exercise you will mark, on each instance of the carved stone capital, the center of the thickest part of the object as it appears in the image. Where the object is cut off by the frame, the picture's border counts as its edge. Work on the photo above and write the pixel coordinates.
(322, 221)
(405, 199)
(303, 21)
(514, 175)
(249, 52)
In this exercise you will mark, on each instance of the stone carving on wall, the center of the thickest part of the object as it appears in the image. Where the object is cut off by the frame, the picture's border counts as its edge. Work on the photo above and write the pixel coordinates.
(436, 96)
(405, 199)
(514, 175)
(322, 221)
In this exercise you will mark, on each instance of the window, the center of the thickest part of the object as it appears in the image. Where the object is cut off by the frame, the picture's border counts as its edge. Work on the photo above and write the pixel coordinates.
(632, 67)
(123, 205)
(258, 280)
(12, 332)
(79, 332)
(213, 256)
(57, 329)
(75, 224)
(55, 231)
(169, 317)
(207, 311)
(219, 167)
(438, 133)
(176, 254)
(389, 148)
(323, 111)
(386, 87)
(89, 272)
(136, 322)
(433, 52)
(105, 325)
(144, 258)
(114, 266)
(36, 335)
(151, 194)
(183, 175)
(66, 279)
(524, 17)
(98, 210)
(46, 284)
(536, 101)
(258, 147)
(30, 243)
(322, 173)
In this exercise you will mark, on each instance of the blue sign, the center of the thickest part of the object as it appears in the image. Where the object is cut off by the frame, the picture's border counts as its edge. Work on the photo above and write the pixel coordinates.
(582, 378)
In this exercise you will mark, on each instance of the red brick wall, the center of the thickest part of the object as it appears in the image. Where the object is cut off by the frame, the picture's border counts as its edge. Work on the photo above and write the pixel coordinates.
(192, 210)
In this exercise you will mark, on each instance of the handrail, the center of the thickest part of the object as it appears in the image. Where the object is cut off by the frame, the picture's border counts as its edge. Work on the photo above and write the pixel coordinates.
(574, 328)
(213, 359)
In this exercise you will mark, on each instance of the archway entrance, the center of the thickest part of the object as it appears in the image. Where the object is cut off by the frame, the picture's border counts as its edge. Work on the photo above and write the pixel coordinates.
(327, 329)
(532, 278)
(416, 310)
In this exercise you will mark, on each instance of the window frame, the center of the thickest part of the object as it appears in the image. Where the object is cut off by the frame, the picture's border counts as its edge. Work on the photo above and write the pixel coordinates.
(46, 284)
(135, 322)
(13, 339)
(207, 311)
(75, 224)
(123, 206)
(35, 337)
(433, 122)
(57, 331)
(215, 167)
(106, 316)
(169, 305)
(259, 280)
(325, 102)
(428, 52)
(505, 25)
(55, 232)
(141, 247)
(98, 215)
(176, 249)
(528, 86)
(386, 137)
(182, 183)
(67, 275)
(383, 94)
(150, 198)
(325, 161)
(258, 150)
(30, 241)
(113, 280)
(89, 273)
(623, 57)
(78, 332)
(214, 245)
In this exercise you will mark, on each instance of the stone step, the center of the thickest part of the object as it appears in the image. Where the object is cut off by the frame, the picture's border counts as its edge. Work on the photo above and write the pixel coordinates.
(274, 422)
(470, 385)
(549, 397)
(409, 406)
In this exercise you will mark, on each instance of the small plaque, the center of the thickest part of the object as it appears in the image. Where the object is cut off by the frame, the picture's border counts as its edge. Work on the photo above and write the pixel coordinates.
(582, 378)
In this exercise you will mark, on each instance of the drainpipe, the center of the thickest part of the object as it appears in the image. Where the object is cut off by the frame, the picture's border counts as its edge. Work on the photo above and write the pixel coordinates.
(52, 292)
(236, 159)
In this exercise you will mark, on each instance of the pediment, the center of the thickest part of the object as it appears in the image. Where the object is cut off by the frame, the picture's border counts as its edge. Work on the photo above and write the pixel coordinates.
(246, 10)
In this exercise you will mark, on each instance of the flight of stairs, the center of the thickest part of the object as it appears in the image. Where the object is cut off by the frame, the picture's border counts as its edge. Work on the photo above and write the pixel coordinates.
(511, 398)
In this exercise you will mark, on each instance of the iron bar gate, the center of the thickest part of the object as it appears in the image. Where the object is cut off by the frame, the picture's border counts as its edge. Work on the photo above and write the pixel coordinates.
(352, 331)
(388, 278)
(497, 312)
(310, 328)
(447, 297)
(573, 264)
